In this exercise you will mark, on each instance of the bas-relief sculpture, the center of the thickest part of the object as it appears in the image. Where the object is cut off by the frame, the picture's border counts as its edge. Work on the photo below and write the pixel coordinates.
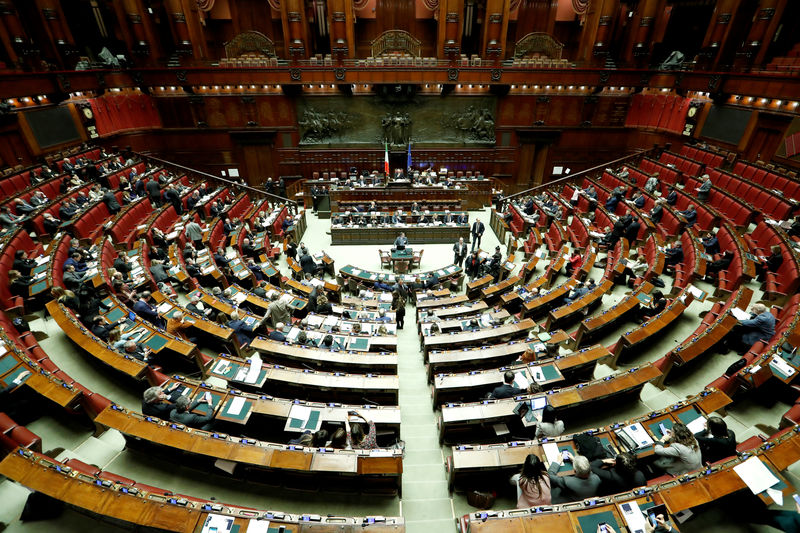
(422, 120)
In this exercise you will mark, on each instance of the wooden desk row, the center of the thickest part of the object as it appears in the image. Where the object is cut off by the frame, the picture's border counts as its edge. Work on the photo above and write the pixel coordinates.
(310, 384)
(366, 276)
(591, 327)
(547, 372)
(278, 458)
(386, 234)
(471, 462)
(686, 492)
(495, 334)
(109, 497)
(379, 362)
(470, 199)
(471, 418)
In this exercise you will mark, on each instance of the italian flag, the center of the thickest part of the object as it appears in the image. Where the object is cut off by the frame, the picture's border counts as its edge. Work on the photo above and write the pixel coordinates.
(386, 159)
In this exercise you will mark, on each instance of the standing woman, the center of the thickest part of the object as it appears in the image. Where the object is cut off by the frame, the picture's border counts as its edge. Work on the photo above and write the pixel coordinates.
(533, 483)
(399, 307)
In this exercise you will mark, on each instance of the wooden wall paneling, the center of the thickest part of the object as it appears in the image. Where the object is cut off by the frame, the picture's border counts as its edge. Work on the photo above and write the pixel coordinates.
(179, 26)
(12, 33)
(535, 16)
(718, 31)
(395, 15)
(640, 42)
(295, 29)
(137, 30)
(764, 24)
(451, 20)
(55, 25)
(341, 24)
(598, 28)
(495, 30)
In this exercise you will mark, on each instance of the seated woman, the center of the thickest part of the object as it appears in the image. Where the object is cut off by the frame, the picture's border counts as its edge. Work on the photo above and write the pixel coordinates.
(657, 304)
(549, 426)
(532, 483)
(356, 438)
(678, 451)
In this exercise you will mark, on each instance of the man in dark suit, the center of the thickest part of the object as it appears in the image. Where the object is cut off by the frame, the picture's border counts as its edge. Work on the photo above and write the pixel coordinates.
(182, 414)
(308, 264)
(507, 390)
(477, 232)
(146, 310)
(155, 403)
(173, 196)
(111, 202)
(459, 252)
(153, 189)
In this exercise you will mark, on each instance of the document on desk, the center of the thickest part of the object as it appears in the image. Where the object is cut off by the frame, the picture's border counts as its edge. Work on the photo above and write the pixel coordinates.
(236, 406)
(521, 380)
(257, 526)
(781, 365)
(697, 425)
(254, 371)
(739, 314)
(635, 436)
(551, 452)
(239, 297)
(633, 516)
(756, 475)
(217, 523)
(164, 307)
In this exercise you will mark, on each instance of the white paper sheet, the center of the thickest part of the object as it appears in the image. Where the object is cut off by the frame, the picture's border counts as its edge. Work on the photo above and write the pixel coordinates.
(521, 381)
(164, 307)
(638, 434)
(236, 406)
(739, 314)
(697, 425)
(217, 523)
(756, 475)
(257, 526)
(633, 516)
(551, 452)
(254, 370)
(782, 365)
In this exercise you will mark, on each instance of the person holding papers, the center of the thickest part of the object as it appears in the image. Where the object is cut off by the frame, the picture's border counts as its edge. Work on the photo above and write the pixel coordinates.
(583, 484)
(549, 426)
(716, 441)
(533, 483)
(507, 389)
(759, 327)
(356, 438)
(678, 451)
(182, 413)
(244, 332)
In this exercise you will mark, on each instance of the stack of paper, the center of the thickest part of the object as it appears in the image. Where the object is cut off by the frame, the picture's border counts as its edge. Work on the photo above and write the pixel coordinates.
(756, 475)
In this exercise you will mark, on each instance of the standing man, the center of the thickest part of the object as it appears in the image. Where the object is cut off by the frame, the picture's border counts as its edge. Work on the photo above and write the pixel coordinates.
(401, 241)
(459, 252)
(195, 234)
(477, 232)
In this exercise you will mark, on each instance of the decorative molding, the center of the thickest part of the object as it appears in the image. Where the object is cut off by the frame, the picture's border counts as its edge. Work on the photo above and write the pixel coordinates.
(137, 78)
(495, 18)
(452, 74)
(604, 77)
(49, 13)
(294, 16)
(339, 73)
(497, 74)
(250, 42)
(134, 18)
(724, 18)
(181, 76)
(451, 16)
(295, 74)
(605, 20)
(542, 99)
(248, 100)
(205, 5)
(713, 82)
(766, 14)
(179, 18)
(275, 4)
(646, 22)
(538, 43)
(339, 16)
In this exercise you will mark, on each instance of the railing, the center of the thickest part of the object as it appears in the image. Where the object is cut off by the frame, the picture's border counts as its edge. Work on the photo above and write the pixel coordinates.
(572, 178)
(235, 186)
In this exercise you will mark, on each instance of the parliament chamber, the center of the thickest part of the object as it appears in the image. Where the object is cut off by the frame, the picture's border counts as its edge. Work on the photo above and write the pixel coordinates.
(290, 266)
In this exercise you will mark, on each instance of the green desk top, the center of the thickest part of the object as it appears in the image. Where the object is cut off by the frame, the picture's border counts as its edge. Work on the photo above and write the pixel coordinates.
(688, 416)
(115, 314)
(588, 523)
(242, 414)
(567, 465)
(550, 371)
(7, 363)
(156, 342)
(358, 343)
(40, 268)
(13, 374)
(655, 430)
(204, 407)
(313, 418)
(408, 253)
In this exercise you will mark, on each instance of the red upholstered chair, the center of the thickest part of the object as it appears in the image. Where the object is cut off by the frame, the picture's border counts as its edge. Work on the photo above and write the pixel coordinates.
(26, 438)
(80, 466)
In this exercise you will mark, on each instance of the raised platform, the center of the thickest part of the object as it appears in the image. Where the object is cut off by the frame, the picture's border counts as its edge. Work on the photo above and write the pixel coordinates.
(386, 235)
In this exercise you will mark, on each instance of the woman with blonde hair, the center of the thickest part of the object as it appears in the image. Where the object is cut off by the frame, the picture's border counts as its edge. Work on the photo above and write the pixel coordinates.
(678, 451)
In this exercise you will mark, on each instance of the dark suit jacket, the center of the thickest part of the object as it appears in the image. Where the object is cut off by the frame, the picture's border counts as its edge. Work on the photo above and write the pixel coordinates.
(507, 391)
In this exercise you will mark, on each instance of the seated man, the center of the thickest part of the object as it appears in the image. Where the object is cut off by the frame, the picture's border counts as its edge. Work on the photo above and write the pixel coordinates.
(711, 243)
(277, 333)
(155, 403)
(244, 333)
(507, 389)
(760, 327)
(182, 414)
(145, 309)
(674, 254)
(619, 474)
(583, 484)
(690, 215)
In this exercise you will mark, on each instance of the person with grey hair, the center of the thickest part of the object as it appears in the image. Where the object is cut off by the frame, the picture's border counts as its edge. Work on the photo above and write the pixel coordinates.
(133, 349)
(155, 403)
(760, 327)
(583, 484)
(278, 311)
(182, 413)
